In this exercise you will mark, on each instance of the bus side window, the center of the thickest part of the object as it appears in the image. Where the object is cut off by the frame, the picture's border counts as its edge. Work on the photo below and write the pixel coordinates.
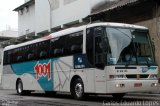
(13, 56)
(58, 52)
(98, 48)
(19, 58)
(43, 49)
(30, 56)
(58, 46)
(19, 54)
(10, 57)
(30, 53)
(43, 54)
(7, 57)
(76, 48)
(89, 45)
(74, 42)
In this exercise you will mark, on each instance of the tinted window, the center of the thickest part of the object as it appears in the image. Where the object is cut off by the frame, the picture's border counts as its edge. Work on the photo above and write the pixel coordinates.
(74, 42)
(7, 57)
(67, 45)
(58, 46)
(89, 44)
(43, 49)
(61, 46)
(30, 52)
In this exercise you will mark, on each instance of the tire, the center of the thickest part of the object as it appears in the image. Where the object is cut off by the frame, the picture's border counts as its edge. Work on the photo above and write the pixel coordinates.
(77, 90)
(118, 96)
(19, 87)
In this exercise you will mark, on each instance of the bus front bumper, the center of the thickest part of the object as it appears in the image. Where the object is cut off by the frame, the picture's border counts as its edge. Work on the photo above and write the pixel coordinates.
(126, 86)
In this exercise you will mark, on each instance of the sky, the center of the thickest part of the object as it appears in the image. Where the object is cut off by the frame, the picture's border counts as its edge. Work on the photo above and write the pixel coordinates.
(8, 17)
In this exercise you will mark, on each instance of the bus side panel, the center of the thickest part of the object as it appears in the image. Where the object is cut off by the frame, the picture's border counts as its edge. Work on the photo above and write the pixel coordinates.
(100, 81)
(9, 81)
(66, 68)
(64, 72)
(89, 87)
(39, 74)
(63, 68)
(30, 83)
(8, 78)
(86, 71)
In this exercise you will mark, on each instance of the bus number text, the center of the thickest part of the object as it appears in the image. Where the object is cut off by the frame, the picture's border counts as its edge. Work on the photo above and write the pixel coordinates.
(43, 70)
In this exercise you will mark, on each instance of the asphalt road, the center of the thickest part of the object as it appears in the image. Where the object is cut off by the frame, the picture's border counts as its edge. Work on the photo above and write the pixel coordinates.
(10, 98)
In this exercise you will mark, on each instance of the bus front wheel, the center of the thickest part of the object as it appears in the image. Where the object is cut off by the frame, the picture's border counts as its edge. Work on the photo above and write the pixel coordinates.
(78, 89)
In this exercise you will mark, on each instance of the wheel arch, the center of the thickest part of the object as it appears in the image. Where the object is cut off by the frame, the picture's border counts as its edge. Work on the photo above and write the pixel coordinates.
(73, 79)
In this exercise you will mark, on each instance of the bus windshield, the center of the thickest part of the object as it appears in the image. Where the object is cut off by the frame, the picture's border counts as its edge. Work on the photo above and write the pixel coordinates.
(129, 46)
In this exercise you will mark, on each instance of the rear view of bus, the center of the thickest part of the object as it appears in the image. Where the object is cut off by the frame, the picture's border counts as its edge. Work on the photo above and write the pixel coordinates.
(127, 56)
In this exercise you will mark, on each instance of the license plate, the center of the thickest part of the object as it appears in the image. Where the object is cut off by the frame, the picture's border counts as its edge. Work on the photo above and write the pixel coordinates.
(137, 84)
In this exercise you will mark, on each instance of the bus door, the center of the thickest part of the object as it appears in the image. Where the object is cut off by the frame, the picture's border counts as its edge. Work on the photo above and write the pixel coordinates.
(100, 73)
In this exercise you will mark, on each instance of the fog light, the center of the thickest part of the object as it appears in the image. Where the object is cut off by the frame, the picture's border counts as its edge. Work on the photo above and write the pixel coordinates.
(117, 85)
(154, 85)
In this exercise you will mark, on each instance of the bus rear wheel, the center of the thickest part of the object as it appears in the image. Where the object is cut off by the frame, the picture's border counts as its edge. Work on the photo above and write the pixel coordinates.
(78, 89)
(19, 87)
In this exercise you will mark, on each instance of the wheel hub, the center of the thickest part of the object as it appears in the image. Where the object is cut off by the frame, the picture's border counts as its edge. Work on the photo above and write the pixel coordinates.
(78, 89)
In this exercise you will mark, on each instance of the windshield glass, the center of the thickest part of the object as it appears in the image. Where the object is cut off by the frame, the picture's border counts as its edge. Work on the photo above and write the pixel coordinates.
(129, 46)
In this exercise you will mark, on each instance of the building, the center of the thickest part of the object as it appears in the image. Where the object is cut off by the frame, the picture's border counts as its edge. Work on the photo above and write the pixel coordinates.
(5, 36)
(26, 18)
(40, 17)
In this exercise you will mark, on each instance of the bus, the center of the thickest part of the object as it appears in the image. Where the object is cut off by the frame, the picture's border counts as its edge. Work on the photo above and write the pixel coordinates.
(98, 58)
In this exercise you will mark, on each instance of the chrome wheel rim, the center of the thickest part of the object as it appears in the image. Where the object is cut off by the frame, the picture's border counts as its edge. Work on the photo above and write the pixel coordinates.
(78, 89)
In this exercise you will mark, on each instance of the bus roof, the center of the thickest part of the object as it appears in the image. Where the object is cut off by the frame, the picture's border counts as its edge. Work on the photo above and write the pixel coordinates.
(75, 29)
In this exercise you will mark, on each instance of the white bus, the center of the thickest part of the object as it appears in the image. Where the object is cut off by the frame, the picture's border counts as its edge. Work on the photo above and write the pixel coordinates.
(99, 58)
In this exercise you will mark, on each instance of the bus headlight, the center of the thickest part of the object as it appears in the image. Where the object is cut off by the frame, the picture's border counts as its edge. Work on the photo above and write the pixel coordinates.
(153, 76)
(117, 77)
